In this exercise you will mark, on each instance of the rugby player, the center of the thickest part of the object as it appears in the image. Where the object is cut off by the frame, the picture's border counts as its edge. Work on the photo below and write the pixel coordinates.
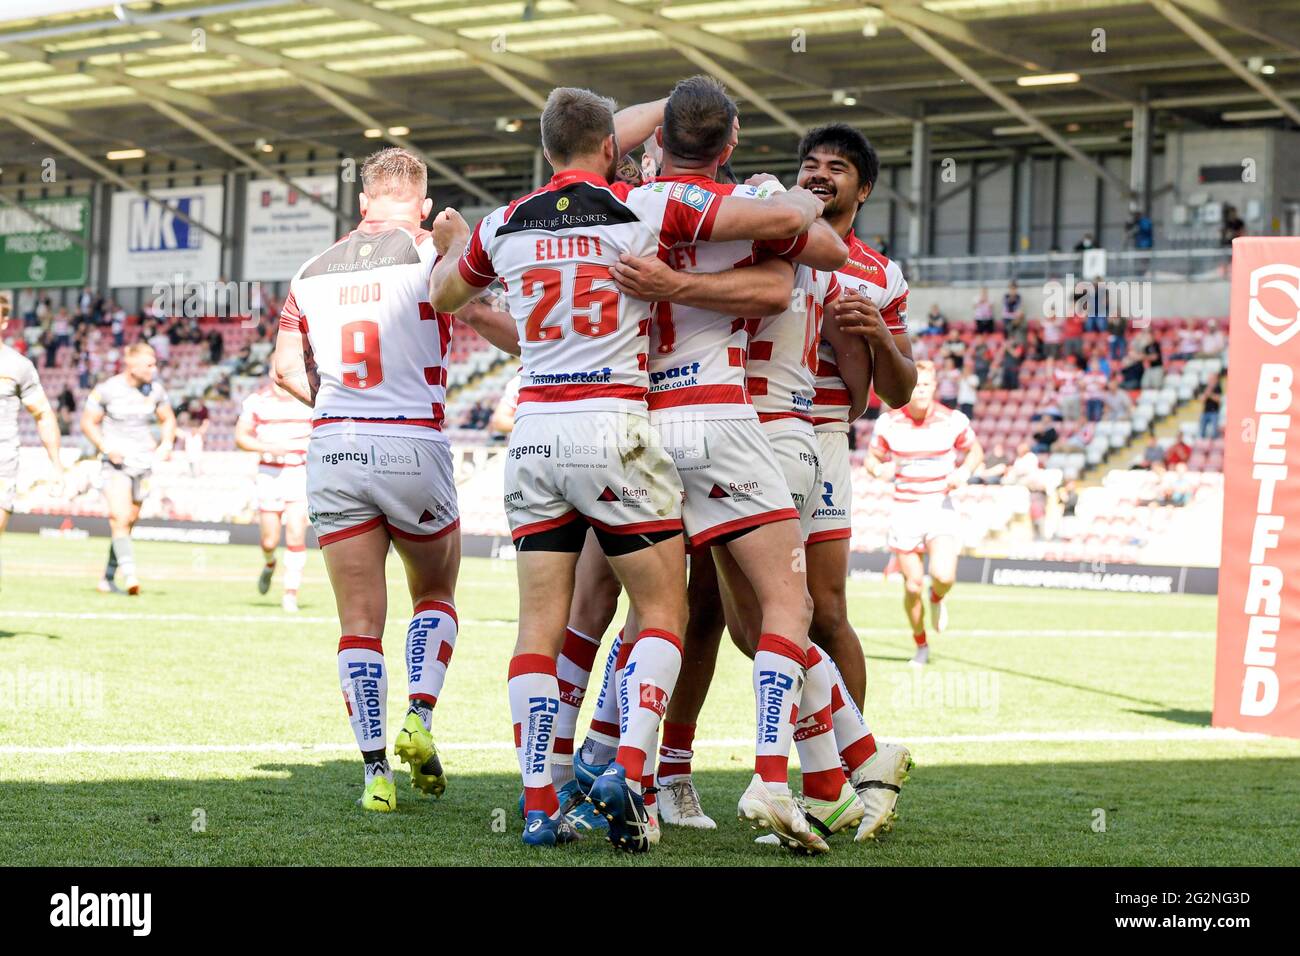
(276, 426)
(584, 393)
(923, 440)
(21, 386)
(118, 420)
(360, 343)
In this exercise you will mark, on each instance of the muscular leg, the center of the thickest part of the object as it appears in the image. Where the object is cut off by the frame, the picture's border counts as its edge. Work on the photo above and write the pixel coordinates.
(356, 571)
(913, 567)
(828, 568)
(122, 515)
(295, 547)
(269, 523)
(943, 565)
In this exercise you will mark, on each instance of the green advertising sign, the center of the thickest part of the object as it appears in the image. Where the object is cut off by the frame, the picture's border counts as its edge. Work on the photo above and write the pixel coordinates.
(35, 253)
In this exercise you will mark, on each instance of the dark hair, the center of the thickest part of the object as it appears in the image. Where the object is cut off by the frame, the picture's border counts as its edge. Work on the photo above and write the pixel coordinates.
(698, 119)
(575, 122)
(843, 140)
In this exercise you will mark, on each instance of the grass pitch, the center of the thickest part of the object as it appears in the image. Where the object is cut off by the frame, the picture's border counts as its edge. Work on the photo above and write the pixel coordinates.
(197, 724)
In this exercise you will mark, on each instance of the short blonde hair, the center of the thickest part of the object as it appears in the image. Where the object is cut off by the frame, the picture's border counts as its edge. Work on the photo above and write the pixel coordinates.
(394, 171)
(925, 365)
(138, 346)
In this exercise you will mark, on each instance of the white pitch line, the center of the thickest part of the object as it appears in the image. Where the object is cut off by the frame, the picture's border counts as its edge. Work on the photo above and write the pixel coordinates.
(1199, 734)
(477, 622)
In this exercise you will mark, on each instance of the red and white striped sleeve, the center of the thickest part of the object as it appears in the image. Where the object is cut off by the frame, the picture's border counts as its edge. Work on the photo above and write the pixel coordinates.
(965, 434)
(677, 212)
(894, 313)
(475, 264)
(291, 317)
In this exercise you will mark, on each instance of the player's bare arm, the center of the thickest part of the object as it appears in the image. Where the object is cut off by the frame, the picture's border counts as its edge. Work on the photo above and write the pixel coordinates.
(635, 124)
(783, 216)
(289, 367)
(47, 428)
(853, 359)
(824, 250)
(246, 440)
(91, 420)
(758, 290)
(167, 429)
(874, 464)
(974, 459)
(892, 367)
(448, 292)
(493, 325)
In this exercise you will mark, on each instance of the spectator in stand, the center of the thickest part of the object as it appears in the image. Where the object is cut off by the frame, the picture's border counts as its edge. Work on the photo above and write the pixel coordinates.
(935, 323)
(1153, 374)
(968, 392)
(983, 313)
(1178, 453)
(1045, 438)
(1025, 470)
(1052, 332)
(881, 245)
(1189, 342)
(1232, 227)
(982, 361)
(1134, 365)
(949, 382)
(1118, 329)
(994, 468)
(1079, 439)
(1072, 330)
(1211, 408)
(1098, 303)
(1119, 405)
(1213, 342)
(1034, 348)
(1176, 486)
(116, 323)
(1093, 387)
(1009, 365)
(44, 313)
(1065, 379)
(1013, 306)
(61, 327)
(1067, 496)
(954, 347)
(1085, 243)
(1139, 230)
(162, 346)
(216, 346)
(1153, 456)
(921, 347)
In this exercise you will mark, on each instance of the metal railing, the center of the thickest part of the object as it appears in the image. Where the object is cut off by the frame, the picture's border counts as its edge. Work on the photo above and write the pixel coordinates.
(1197, 265)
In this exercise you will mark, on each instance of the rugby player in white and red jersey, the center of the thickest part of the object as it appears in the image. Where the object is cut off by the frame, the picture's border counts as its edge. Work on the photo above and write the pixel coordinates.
(276, 426)
(923, 440)
(582, 453)
(360, 343)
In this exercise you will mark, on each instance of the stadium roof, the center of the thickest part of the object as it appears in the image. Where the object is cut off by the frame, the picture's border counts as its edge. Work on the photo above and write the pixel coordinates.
(209, 84)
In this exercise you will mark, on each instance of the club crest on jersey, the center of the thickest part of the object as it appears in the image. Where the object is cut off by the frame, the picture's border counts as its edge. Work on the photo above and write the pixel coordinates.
(690, 195)
(562, 204)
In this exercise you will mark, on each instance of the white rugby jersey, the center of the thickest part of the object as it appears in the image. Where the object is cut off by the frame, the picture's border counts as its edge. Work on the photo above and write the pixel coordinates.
(698, 357)
(925, 452)
(281, 421)
(582, 343)
(881, 280)
(783, 349)
(380, 348)
(130, 417)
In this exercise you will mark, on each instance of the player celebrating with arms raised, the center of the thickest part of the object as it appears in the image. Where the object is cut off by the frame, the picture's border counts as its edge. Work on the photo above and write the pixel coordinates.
(585, 381)
(277, 427)
(360, 343)
(20, 385)
(118, 421)
(923, 439)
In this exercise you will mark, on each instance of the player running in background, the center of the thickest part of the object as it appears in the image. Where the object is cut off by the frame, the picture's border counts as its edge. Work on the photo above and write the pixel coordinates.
(21, 386)
(584, 387)
(922, 439)
(118, 420)
(360, 343)
(277, 427)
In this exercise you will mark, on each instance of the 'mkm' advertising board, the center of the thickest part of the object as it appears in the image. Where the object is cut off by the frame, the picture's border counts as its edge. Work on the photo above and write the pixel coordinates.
(1257, 664)
(150, 244)
(34, 253)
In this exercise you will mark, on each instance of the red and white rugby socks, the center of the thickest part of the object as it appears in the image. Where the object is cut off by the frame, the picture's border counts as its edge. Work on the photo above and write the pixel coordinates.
(646, 684)
(854, 740)
(430, 639)
(534, 703)
(919, 638)
(601, 742)
(363, 677)
(269, 557)
(573, 672)
(779, 665)
(814, 737)
(675, 753)
(295, 559)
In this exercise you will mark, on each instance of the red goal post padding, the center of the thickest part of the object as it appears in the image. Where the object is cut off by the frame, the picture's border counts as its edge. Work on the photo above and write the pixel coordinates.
(1257, 664)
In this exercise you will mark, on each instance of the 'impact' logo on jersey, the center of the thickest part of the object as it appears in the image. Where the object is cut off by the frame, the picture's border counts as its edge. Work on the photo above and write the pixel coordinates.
(74, 908)
(772, 687)
(675, 377)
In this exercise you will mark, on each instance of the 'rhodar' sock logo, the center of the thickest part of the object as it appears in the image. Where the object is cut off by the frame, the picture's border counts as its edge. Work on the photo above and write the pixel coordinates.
(425, 516)
(719, 492)
(608, 495)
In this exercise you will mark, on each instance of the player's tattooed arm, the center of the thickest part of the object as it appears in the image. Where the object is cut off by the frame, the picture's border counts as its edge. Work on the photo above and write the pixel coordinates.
(853, 358)
(893, 371)
(166, 428)
(635, 124)
(492, 324)
(292, 368)
(758, 290)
